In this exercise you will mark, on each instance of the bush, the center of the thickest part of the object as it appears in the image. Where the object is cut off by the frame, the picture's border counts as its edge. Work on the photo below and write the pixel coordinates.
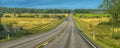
(1, 27)
(26, 16)
(3, 34)
(46, 16)
(117, 35)
(60, 17)
(7, 16)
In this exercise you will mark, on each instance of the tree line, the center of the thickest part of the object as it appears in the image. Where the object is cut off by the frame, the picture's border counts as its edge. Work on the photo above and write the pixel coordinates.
(32, 10)
(98, 11)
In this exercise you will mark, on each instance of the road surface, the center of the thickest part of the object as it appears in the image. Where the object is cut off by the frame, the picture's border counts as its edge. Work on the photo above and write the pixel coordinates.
(66, 35)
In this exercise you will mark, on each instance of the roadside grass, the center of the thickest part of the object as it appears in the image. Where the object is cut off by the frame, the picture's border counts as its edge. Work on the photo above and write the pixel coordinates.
(99, 34)
(30, 26)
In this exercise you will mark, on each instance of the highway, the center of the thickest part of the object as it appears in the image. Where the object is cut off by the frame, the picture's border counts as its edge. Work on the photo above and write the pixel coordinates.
(66, 35)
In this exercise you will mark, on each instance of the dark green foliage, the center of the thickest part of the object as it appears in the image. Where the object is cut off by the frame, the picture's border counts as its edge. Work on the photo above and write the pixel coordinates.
(7, 16)
(3, 34)
(26, 16)
(14, 34)
(59, 17)
(46, 16)
(1, 27)
(117, 35)
(1, 14)
(21, 28)
(108, 15)
(105, 23)
(19, 33)
(88, 11)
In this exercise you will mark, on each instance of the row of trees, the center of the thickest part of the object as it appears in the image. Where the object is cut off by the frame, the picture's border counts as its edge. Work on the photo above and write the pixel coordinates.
(32, 10)
(88, 11)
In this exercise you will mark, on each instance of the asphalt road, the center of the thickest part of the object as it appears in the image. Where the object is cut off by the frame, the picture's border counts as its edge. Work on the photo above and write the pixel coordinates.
(69, 37)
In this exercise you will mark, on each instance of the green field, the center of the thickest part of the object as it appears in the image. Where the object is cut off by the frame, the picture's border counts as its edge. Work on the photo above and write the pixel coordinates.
(92, 15)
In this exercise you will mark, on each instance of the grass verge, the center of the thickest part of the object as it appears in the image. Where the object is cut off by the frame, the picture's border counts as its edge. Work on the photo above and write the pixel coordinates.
(101, 35)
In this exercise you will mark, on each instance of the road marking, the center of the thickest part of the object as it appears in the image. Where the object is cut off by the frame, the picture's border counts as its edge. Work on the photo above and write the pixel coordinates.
(50, 39)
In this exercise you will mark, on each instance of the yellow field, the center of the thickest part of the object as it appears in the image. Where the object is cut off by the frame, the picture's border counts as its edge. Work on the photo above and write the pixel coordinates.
(33, 14)
(94, 21)
(27, 23)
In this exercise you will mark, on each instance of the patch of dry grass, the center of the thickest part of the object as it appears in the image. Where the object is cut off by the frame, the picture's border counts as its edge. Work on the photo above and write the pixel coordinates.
(27, 23)
(34, 14)
(94, 21)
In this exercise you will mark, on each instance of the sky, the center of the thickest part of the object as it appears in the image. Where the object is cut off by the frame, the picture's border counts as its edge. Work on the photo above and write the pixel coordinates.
(65, 4)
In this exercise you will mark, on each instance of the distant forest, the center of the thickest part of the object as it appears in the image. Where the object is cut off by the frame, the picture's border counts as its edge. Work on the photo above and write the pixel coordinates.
(54, 11)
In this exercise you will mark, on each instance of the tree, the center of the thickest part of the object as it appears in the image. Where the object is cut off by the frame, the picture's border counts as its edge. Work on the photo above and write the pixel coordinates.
(1, 27)
(0, 17)
(112, 7)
